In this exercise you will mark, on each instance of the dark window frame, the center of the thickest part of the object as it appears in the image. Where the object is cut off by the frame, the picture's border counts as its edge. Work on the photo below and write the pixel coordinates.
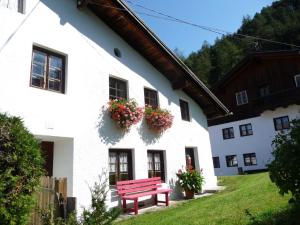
(191, 152)
(148, 93)
(216, 162)
(239, 96)
(281, 120)
(229, 158)
(184, 110)
(224, 130)
(249, 132)
(162, 164)
(251, 156)
(264, 90)
(129, 168)
(116, 89)
(45, 85)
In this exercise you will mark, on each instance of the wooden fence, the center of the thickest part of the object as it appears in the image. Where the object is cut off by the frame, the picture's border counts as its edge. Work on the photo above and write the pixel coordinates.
(53, 192)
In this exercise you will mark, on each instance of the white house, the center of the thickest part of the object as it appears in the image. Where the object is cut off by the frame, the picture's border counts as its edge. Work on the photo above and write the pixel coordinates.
(61, 62)
(263, 92)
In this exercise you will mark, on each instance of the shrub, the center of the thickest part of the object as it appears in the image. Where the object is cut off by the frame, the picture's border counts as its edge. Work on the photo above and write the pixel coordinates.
(20, 170)
(125, 112)
(158, 119)
(191, 180)
(284, 169)
(98, 214)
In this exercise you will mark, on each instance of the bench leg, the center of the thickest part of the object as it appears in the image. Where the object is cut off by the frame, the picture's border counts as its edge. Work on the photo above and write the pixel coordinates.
(124, 205)
(155, 199)
(136, 206)
(167, 199)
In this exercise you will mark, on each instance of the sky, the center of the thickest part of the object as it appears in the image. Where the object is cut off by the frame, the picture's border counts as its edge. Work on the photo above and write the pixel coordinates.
(222, 14)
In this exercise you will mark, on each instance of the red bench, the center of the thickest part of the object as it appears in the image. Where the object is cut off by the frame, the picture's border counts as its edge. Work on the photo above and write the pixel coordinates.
(133, 189)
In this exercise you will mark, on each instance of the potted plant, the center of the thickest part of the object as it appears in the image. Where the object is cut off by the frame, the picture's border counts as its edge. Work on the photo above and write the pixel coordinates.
(191, 181)
(125, 112)
(158, 119)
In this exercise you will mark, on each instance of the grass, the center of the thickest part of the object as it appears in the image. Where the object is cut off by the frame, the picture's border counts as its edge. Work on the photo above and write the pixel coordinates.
(248, 199)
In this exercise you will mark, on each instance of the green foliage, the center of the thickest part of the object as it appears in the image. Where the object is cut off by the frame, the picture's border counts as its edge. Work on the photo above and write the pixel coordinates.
(48, 218)
(191, 180)
(284, 169)
(278, 22)
(98, 213)
(20, 170)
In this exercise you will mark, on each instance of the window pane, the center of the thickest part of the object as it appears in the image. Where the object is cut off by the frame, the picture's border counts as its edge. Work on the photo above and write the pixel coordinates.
(54, 85)
(117, 88)
(150, 161)
(37, 81)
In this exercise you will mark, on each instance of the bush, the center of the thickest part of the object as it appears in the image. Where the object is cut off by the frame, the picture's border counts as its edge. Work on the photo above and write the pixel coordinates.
(20, 170)
(98, 213)
(284, 169)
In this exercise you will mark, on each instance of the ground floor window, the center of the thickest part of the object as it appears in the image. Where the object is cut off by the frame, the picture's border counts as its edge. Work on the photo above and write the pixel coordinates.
(156, 164)
(250, 159)
(231, 161)
(120, 165)
(216, 161)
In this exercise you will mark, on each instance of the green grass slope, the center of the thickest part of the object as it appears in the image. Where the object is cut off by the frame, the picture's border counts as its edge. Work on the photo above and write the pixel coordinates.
(252, 193)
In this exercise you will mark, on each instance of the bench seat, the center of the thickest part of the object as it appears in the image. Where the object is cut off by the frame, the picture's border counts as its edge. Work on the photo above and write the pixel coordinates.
(134, 189)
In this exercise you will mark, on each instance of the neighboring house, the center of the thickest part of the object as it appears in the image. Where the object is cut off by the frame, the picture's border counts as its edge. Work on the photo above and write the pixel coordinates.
(263, 92)
(60, 64)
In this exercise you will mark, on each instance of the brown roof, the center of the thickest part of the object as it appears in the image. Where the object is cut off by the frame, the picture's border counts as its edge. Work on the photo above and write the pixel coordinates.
(117, 15)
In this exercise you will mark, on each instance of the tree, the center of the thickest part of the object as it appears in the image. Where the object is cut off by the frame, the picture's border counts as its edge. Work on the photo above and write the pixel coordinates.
(20, 170)
(284, 169)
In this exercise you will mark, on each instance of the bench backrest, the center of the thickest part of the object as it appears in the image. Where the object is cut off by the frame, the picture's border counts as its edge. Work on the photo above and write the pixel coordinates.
(140, 185)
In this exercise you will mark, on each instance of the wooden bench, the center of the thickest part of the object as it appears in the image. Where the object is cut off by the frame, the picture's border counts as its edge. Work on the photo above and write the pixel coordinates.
(133, 189)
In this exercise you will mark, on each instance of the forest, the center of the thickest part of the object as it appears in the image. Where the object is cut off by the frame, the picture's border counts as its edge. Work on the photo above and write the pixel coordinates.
(279, 22)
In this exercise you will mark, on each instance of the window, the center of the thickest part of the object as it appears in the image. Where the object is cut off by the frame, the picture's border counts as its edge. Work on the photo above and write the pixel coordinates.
(16, 5)
(216, 162)
(156, 164)
(297, 80)
(151, 97)
(264, 90)
(281, 123)
(47, 70)
(184, 108)
(117, 52)
(250, 159)
(228, 133)
(231, 161)
(120, 165)
(246, 129)
(117, 88)
(189, 155)
(241, 97)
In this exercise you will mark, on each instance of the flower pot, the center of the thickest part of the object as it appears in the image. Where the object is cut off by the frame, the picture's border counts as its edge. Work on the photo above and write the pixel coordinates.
(189, 194)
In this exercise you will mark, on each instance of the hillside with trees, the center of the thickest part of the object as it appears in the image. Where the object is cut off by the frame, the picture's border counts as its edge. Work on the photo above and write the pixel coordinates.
(279, 22)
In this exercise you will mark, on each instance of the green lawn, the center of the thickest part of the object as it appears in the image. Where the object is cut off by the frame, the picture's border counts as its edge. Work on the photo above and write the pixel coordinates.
(253, 193)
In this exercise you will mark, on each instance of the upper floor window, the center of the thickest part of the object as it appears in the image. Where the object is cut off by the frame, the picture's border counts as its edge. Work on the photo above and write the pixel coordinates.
(241, 97)
(156, 164)
(250, 159)
(228, 133)
(151, 97)
(246, 129)
(231, 161)
(16, 5)
(120, 165)
(47, 70)
(216, 162)
(117, 88)
(281, 123)
(184, 108)
(264, 90)
(297, 80)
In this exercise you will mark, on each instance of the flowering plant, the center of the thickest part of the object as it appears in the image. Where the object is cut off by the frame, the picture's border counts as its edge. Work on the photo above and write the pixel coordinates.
(125, 112)
(190, 180)
(158, 119)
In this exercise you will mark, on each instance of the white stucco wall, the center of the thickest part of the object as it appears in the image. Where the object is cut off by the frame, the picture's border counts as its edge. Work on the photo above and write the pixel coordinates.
(259, 143)
(82, 133)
